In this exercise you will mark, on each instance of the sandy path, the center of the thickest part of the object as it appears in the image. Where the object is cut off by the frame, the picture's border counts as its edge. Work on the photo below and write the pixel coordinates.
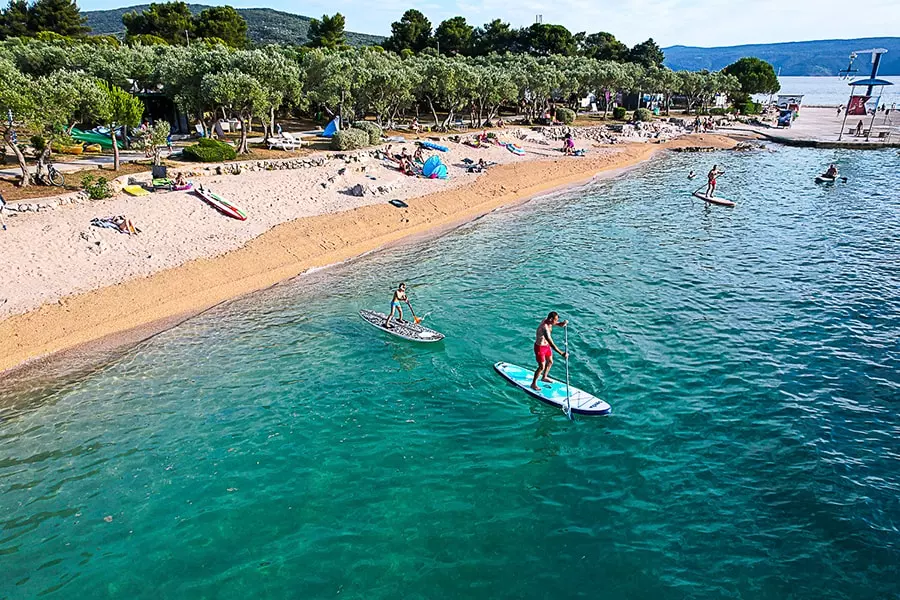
(189, 257)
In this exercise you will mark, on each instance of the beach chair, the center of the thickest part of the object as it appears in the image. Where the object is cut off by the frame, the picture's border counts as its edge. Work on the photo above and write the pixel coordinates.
(286, 142)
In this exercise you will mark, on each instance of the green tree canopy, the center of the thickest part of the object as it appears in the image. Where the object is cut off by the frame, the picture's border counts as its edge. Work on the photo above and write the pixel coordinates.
(495, 36)
(604, 46)
(327, 33)
(58, 16)
(454, 36)
(647, 54)
(224, 23)
(118, 108)
(755, 76)
(544, 40)
(168, 21)
(14, 21)
(412, 32)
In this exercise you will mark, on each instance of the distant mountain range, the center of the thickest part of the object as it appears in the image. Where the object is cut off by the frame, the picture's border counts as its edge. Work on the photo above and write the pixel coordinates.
(822, 57)
(264, 25)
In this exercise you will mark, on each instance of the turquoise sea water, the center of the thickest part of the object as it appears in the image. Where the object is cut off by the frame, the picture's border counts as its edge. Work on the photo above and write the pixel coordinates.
(280, 447)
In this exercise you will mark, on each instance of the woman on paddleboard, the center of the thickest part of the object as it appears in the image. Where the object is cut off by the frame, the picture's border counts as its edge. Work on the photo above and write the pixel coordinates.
(711, 178)
(544, 347)
(399, 297)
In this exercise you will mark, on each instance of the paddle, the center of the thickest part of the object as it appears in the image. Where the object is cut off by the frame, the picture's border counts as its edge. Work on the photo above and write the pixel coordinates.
(568, 398)
(416, 319)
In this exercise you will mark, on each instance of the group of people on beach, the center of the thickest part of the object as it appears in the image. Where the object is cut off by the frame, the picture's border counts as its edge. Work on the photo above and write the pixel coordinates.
(544, 346)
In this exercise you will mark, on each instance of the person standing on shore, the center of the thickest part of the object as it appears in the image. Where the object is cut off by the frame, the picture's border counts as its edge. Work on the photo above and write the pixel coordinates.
(2, 206)
(544, 347)
(859, 128)
(711, 178)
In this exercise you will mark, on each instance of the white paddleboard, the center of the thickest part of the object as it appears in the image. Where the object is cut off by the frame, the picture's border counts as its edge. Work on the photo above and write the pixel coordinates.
(405, 330)
(823, 179)
(553, 393)
(714, 200)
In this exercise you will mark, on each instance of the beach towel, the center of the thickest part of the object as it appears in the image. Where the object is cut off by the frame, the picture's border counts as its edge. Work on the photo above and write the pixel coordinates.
(119, 223)
(332, 128)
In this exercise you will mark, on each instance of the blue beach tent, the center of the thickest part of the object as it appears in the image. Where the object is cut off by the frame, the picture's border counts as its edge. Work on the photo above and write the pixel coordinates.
(434, 168)
(332, 128)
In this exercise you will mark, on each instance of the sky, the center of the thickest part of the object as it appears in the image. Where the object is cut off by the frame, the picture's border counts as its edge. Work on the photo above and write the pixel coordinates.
(669, 22)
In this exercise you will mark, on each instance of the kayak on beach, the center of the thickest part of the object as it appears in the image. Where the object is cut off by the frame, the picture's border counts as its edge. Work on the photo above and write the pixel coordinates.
(714, 200)
(220, 204)
(553, 393)
(402, 329)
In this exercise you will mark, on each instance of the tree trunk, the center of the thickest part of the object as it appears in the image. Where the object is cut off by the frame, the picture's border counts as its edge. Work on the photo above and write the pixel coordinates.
(20, 158)
(115, 147)
(271, 123)
(433, 113)
(41, 161)
(243, 147)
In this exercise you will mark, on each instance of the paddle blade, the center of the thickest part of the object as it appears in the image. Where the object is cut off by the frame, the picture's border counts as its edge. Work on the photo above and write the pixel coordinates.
(417, 320)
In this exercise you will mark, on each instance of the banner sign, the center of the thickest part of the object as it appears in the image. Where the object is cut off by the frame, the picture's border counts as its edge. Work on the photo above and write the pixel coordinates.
(857, 105)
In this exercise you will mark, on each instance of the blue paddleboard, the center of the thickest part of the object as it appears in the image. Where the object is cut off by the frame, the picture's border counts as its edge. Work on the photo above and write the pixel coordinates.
(553, 393)
(433, 146)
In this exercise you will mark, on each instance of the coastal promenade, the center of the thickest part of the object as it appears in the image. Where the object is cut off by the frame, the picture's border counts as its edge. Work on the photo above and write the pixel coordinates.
(821, 128)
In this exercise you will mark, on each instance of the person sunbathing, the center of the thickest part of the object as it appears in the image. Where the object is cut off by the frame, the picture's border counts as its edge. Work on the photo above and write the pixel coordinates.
(180, 181)
(419, 155)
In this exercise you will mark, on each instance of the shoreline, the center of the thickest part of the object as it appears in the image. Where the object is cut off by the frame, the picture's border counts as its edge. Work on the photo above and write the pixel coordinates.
(136, 309)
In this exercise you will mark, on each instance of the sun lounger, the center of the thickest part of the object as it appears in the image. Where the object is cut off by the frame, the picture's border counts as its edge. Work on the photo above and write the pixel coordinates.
(286, 142)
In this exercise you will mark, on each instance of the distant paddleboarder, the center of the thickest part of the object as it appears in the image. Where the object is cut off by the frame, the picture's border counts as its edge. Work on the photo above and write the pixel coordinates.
(544, 347)
(691, 175)
(711, 179)
(831, 173)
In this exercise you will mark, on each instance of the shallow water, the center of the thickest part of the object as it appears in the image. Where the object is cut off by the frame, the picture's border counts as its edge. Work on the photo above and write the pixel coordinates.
(278, 446)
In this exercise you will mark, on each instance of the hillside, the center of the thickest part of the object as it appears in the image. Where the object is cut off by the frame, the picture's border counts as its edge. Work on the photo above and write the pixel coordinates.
(264, 25)
(821, 57)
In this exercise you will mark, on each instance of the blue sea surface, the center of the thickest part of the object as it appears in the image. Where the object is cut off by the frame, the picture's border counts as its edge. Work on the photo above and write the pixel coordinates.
(278, 446)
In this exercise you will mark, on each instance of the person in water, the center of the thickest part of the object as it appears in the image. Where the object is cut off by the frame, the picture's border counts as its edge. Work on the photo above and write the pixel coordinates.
(691, 175)
(544, 347)
(711, 179)
(399, 297)
(831, 173)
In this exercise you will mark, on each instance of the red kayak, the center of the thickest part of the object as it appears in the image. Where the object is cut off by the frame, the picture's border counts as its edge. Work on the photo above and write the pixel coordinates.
(220, 204)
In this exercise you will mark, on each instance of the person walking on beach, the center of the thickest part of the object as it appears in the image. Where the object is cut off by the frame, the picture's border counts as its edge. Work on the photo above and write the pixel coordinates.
(711, 178)
(399, 297)
(544, 347)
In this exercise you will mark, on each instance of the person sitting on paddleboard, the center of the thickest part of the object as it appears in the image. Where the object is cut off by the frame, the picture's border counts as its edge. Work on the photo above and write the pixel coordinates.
(399, 297)
(544, 347)
(831, 173)
(711, 177)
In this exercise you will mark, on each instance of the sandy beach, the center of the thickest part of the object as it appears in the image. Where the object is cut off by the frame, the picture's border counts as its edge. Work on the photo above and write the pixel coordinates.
(67, 284)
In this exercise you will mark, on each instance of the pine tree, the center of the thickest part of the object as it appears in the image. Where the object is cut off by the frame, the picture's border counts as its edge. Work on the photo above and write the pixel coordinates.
(14, 20)
(58, 16)
(327, 33)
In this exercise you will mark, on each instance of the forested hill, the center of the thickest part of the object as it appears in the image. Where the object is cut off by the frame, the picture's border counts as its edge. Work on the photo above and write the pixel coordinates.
(264, 25)
(820, 57)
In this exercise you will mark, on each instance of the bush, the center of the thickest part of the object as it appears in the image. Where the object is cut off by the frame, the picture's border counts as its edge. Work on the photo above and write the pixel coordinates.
(619, 113)
(643, 114)
(97, 189)
(350, 139)
(209, 150)
(751, 108)
(372, 129)
(566, 116)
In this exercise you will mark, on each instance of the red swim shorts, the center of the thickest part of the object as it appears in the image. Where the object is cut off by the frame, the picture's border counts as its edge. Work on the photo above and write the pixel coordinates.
(542, 353)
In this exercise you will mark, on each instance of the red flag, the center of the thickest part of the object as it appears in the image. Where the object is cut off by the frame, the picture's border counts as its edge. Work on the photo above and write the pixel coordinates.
(857, 105)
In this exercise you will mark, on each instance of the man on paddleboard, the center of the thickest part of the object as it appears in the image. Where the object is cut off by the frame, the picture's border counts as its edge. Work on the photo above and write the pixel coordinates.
(711, 178)
(399, 296)
(544, 347)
